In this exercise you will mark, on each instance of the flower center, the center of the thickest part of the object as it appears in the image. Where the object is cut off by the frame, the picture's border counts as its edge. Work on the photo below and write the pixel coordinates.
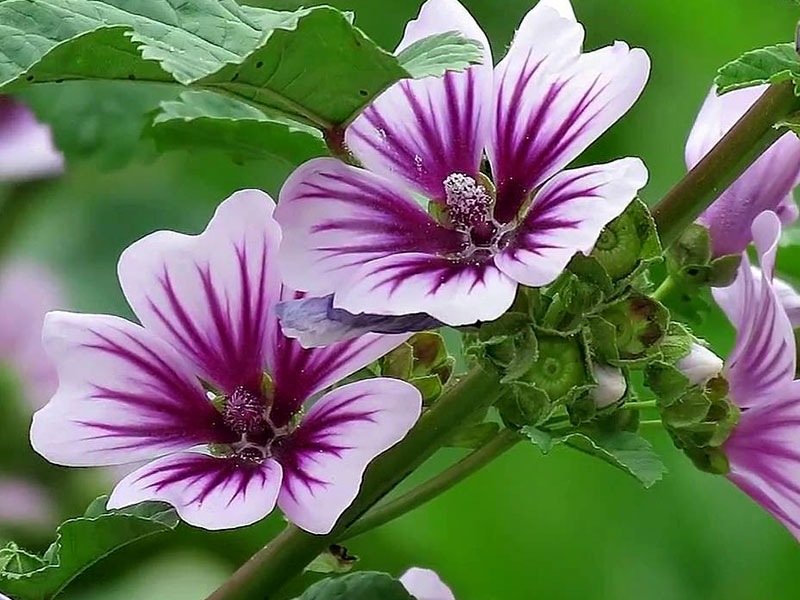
(468, 202)
(245, 413)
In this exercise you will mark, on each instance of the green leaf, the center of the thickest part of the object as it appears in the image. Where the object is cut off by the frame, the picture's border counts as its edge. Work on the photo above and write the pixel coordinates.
(336, 559)
(205, 119)
(358, 586)
(772, 64)
(79, 543)
(435, 55)
(627, 451)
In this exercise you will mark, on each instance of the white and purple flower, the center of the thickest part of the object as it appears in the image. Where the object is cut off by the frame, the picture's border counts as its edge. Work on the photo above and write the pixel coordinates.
(27, 150)
(187, 389)
(766, 185)
(424, 584)
(361, 235)
(764, 449)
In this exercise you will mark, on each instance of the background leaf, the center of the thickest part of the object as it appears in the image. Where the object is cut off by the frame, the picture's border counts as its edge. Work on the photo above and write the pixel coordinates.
(358, 586)
(772, 64)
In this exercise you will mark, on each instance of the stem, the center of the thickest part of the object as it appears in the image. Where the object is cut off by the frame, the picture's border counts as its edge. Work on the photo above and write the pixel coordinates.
(642, 404)
(666, 288)
(653, 423)
(732, 155)
(447, 479)
(289, 553)
(14, 209)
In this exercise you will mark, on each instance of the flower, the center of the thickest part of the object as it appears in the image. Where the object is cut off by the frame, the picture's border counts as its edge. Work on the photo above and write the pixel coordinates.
(611, 385)
(790, 299)
(764, 449)
(187, 389)
(26, 146)
(23, 503)
(360, 233)
(425, 585)
(766, 185)
(700, 365)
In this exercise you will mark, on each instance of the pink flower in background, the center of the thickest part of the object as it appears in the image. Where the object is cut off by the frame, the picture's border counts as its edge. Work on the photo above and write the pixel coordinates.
(361, 235)
(131, 393)
(764, 449)
(27, 150)
(425, 585)
(25, 504)
(27, 293)
(766, 185)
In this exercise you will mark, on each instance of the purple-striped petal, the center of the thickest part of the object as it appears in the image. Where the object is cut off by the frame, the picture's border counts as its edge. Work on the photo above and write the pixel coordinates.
(325, 458)
(208, 492)
(27, 150)
(335, 218)
(764, 456)
(763, 360)
(424, 584)
(453, 291)
(766, 185)
(212, 296)
(124, 395)
(298, 373)
(552, 101)
(567, 216)
(421, 131)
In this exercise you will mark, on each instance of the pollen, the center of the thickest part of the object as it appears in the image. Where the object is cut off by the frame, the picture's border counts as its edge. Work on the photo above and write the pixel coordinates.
(245, 412)
(468, 202)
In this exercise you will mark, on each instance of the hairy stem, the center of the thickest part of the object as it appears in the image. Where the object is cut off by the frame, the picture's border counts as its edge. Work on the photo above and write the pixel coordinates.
(733, 154)
(447, 479)
(289, 553)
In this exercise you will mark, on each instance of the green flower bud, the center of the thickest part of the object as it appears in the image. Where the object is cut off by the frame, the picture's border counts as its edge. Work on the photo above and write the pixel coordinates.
(619, 247)
(640, 324)
(559, 367)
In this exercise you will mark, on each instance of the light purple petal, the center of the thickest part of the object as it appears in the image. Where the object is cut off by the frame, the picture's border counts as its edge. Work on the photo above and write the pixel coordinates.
(23, 503)
(567, 216)
(611, 385)
(27, 151)
(124, 395)
(552, 102)
(766, 185)
(421, 131)
(208, 492)
(764, 454)
(454, 292)
(27, 293)
(790, 299)
(335, 218)
(763, 360)
(325, 458)
(212, 296)
(788, 211)
(700, 365)
(424, 584)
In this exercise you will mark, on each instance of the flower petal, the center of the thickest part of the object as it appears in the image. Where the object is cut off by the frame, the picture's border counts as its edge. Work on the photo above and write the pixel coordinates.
(26, 146)
(454, 292)
(763, 359)
(424, 584)
(567, 216)
(212, 295)
(124, 395)
(421, 131)
(314, 322)
(552, 101)
(325, 458)
(208, 492)
(765, 185)
(335, 218)
(764, 456)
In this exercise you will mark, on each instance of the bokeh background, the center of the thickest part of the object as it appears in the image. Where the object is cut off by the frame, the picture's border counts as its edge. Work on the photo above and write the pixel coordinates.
(528, 526)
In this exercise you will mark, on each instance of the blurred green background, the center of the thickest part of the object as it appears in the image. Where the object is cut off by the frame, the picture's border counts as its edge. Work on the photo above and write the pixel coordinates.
(528, 526)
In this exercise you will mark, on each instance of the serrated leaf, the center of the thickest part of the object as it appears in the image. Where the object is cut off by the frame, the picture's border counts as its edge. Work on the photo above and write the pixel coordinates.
(772, 64)
(80, 543)
(435, 55)
(357, 586)
(206, 119)
(627, 451)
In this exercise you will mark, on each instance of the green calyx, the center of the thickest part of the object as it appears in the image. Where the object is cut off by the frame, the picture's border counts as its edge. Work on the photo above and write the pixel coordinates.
(619, 247)
(559, 368)
(639, 325)
(423, 361)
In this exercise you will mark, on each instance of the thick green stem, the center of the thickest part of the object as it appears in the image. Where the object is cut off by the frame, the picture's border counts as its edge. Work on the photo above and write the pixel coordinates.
(288, 554)
(447, 479)
(14, 209)
(734, 153)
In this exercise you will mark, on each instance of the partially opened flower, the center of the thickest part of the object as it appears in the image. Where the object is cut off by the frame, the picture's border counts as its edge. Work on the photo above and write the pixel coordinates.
(424, 584)
(361, 234)
(700, 365)
(210, 390)
(766, 185)
(764, 449)
(27, 150)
